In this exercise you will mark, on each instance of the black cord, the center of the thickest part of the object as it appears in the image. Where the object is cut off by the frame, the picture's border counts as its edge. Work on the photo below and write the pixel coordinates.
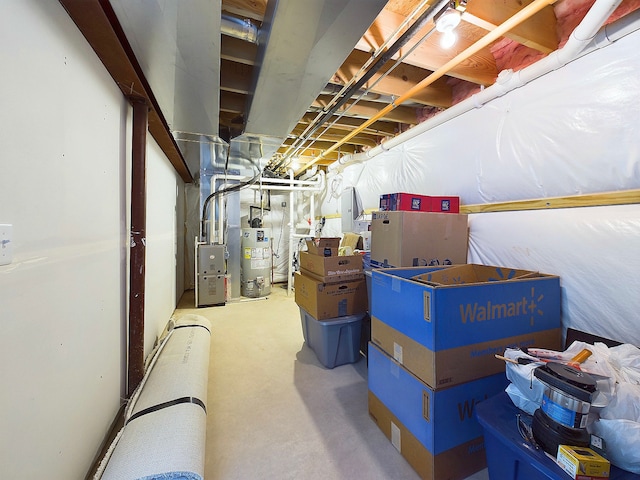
(234, 188)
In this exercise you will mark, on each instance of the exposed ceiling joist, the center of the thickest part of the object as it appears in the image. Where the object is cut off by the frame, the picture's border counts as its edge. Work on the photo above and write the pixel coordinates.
(365, 109)
(480, 69)
(538, 32)
(401, 79)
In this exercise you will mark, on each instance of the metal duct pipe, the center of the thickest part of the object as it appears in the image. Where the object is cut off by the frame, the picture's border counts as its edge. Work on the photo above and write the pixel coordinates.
(508, 80)
(238, 28)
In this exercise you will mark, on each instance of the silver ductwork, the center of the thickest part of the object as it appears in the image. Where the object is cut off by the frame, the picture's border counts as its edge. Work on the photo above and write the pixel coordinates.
(239, 28)
(301, 45)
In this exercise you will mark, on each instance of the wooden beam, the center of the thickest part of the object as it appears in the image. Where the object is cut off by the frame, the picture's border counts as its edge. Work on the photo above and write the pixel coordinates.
(235, 77)
(538, 32)
(254, 9)
(334, 134)
(329, 158)
(480, 68)
(320, 145)
(232, 102)
(402, 78)
(624, 197)
(236, 50)
(349, 123)
(370, 109)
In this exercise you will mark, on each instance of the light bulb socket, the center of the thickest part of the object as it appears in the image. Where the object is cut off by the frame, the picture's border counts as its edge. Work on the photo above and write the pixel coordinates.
(447, 19)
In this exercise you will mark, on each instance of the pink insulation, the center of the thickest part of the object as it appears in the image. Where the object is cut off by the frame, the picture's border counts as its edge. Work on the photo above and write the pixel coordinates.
(515, 56)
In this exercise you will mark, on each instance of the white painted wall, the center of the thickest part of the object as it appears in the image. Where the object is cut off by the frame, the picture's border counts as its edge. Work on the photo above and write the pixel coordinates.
(160, 279)
(64, 183)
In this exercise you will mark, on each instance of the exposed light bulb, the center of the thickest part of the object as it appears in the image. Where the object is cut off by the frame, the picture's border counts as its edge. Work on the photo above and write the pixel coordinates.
(447, 39)
(446, 23)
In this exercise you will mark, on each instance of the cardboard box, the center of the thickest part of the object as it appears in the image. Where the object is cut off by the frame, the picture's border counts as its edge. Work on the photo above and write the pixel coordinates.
(419, 203)
(448, 334)
(441, 369)
(328, 300)
(439, 419)
(352, 241)
(582, 463)
(325, 247)
(467, 274)
(406, 239)
(331, 269)
(454, 464)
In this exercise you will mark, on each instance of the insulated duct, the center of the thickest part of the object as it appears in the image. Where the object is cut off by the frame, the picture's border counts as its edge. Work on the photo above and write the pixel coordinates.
(583, 35)
(238, 28)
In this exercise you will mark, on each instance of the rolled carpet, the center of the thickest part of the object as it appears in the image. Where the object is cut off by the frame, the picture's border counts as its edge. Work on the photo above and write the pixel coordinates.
(165, 425)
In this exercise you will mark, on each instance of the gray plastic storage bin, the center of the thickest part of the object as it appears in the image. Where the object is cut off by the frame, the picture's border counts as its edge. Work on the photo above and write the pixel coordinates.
(335, 341)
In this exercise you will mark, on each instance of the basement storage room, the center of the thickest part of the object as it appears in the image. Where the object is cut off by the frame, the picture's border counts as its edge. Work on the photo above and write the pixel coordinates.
(320, 239)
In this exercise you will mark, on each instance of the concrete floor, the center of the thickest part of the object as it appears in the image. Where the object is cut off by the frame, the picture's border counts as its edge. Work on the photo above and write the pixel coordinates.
(274, 412)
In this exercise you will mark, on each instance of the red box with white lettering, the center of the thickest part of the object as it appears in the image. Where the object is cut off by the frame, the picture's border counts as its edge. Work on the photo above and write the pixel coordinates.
(419, 203)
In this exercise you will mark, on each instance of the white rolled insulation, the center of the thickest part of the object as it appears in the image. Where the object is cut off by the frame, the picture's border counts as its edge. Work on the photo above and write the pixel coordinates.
(165, 423)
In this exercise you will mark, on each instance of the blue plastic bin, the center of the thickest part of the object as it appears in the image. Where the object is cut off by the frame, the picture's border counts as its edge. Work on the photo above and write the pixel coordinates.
(335, 341)
(509, 456)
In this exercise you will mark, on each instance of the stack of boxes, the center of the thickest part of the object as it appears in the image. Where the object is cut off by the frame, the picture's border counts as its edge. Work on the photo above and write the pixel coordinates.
(436, 323)
(331, 292)
(434, 334)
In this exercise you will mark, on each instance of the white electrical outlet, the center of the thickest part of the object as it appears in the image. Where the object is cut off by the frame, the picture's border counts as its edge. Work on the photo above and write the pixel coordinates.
(6, 244)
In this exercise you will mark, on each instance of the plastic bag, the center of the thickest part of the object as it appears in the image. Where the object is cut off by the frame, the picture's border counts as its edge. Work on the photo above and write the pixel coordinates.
(615, 407)
(625, 404)
(622, 438)
(525, 390)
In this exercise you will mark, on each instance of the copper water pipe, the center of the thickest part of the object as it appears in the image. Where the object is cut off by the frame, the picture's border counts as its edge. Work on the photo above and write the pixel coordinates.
(527, 12)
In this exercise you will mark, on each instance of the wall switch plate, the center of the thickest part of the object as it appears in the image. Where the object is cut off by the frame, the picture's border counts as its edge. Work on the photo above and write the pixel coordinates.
(6, 244)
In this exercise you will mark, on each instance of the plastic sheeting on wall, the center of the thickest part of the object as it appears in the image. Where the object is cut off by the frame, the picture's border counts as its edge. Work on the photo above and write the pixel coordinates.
(572, 131)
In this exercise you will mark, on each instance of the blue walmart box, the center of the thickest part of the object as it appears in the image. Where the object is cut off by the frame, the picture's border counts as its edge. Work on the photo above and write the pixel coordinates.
(439, 419)
(445, 324)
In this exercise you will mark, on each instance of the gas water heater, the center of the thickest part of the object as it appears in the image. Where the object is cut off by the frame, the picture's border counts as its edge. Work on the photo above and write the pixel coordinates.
(256, 262)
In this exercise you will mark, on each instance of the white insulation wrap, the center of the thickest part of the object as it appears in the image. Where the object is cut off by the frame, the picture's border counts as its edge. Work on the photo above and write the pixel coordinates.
(165, 431)
(569, 132)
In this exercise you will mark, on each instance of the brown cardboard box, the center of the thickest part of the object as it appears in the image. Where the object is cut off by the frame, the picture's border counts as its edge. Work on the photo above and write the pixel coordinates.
(447, 326)
(454, 464)
(406, 239)
(352, 241)
(329, 300)
(331, 269)
(325, 246)
(471, 273)
(445, 368)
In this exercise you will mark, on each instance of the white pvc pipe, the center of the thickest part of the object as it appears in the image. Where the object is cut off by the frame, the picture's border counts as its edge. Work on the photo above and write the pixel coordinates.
(585, 33)
(291, 234)
(294, 185)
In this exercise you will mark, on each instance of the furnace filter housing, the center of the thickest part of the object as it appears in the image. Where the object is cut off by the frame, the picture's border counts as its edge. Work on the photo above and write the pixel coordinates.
(256, 262)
